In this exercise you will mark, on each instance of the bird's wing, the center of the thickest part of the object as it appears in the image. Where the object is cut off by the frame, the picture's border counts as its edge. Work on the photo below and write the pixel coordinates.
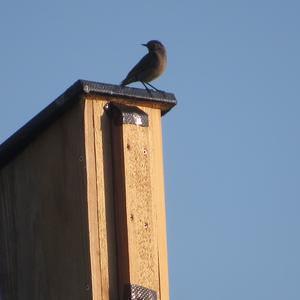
(147, 62)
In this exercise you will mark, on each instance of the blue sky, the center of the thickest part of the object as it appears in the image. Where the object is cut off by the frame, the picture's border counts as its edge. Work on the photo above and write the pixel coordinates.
(231, 146)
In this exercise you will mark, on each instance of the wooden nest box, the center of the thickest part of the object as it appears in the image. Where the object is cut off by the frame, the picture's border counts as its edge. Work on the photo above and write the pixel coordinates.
(82, 198)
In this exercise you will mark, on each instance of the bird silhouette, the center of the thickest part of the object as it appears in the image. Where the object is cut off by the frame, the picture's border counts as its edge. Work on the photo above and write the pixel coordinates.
(151, 66)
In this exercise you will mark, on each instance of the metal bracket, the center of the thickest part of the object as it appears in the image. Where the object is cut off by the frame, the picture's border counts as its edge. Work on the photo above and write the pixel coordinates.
(137, 292)
(126, 114)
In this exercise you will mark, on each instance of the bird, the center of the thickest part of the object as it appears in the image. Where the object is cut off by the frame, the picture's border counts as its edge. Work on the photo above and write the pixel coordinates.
(151, 66)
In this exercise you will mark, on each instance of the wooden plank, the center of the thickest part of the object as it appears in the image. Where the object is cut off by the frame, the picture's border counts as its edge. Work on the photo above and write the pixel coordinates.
(142, 246)
(8, 249)
(92, 202)
(44, 248)
(139, 195)
(157, 187)
(105, 204)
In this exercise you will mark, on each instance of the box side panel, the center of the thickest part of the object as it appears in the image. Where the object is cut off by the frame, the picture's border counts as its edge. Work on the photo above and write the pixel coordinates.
(44, 249)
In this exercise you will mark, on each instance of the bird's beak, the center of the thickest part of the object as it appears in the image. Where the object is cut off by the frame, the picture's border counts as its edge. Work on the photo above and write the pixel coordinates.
(144, 45)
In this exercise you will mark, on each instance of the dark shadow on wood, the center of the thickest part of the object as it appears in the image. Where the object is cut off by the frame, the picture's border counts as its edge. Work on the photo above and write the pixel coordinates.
(113, 158)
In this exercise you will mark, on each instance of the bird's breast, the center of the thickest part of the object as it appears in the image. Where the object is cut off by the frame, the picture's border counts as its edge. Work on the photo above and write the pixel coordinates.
(158, 67)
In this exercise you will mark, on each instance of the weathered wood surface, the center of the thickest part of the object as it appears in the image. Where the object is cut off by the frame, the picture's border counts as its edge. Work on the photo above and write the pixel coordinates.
(44, 249)
(158, 198)
(139, 201)
(101, 201)
(130, 221)
(82, 209)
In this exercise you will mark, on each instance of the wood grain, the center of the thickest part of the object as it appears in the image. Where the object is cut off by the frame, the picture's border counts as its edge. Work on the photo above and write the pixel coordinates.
(100, 141)
(140, 211)
(44, 248)
(82, 209)
(92, 202)
(157, 187)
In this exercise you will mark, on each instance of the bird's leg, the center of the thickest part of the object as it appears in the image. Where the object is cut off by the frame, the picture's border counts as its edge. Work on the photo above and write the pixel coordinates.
(146, 88)
(154, 87)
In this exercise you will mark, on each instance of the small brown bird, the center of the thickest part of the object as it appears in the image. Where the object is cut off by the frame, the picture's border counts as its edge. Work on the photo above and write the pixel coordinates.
(151, 66)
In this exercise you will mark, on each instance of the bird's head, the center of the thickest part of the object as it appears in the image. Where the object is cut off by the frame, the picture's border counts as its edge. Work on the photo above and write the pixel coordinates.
(154, 45)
